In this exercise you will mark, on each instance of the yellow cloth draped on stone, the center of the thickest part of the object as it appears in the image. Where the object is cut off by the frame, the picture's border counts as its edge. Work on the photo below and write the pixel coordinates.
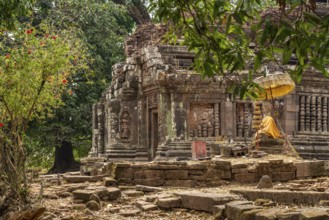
(269, 128)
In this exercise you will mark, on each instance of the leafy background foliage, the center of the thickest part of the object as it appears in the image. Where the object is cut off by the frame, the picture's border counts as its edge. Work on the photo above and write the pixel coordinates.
(102, 27)
(221, 34)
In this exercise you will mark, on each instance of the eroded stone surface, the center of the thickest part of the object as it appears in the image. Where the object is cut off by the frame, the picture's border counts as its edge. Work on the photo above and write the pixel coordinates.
(204, 201)
(168, 203)
(265, 182)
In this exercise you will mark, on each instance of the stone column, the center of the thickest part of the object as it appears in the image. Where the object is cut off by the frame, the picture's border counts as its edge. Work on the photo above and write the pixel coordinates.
(100, 128)
(178, 113)
(94, 149)
(165, 123)
(217, 119)
(227, 119)
(290, 116)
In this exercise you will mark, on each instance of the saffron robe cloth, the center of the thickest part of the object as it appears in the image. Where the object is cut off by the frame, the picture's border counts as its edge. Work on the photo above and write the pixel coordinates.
(269, 128)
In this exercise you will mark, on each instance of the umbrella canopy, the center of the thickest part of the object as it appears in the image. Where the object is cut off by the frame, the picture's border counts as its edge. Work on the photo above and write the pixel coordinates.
(275, 85)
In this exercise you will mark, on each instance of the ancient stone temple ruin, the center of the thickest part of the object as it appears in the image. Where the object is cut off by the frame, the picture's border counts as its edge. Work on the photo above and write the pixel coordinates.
(157, 105)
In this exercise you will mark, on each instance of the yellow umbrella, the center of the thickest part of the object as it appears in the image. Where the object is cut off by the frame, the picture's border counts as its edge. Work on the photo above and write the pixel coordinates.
(275, 85)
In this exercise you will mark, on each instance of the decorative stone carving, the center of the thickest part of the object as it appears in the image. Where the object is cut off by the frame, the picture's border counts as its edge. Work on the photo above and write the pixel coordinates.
(202, 120)
(313, 113)
(217, 119)
(319, 114)
(257, 116)
(302, 113)
(246, 123)
(124, 125)
(239, 111)
(307, 113)
(325, 114)
(244, 115)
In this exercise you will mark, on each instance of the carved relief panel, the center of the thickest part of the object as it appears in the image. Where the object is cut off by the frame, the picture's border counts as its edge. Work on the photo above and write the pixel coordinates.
(125, 125)
(244, 115)
(313, 113)
(204, 120)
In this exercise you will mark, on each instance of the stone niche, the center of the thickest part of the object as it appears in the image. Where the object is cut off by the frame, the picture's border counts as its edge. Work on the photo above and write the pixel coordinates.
(204, 120)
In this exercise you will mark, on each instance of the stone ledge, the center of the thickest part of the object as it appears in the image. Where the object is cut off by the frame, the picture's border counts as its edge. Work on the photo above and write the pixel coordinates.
(284, 196)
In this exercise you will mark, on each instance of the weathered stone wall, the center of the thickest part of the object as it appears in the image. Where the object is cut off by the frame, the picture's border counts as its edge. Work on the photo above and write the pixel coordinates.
(204, 173)
(157, 105)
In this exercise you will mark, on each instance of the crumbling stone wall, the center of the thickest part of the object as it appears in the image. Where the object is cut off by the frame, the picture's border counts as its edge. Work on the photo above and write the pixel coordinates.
(203, 173)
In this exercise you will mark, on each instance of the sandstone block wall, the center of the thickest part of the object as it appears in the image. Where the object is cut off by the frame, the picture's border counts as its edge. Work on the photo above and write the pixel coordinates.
(204, 173)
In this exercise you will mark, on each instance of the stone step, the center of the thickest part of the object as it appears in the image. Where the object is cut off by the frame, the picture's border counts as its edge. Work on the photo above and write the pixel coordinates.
(104, 193)
(284, 196)
(241, 210)
(204, 201)
(81, 179)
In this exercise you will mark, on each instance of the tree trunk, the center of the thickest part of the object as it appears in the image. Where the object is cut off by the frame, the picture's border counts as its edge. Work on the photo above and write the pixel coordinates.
(137, 11)
(64, 160)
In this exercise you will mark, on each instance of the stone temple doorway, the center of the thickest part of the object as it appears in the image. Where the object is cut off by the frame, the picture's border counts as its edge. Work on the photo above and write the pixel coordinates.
(153, 133)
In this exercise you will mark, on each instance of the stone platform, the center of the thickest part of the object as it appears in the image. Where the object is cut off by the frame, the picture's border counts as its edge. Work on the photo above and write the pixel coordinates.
(206, 173)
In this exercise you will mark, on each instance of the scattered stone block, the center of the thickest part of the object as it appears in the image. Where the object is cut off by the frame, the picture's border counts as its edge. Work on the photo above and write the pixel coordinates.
(114, 210)
(324, 203)
(102, 192)
(129, 213)
(108, 181)
(238, 210)
(218, 208)
(284, 196)
(265, 183)
(204, 201)
(154, 198)
(148, 188)
(113, 193)
(78, 206)
(264, 202)
(133, 193)
(81, 179)
(168, 203)
(62, 194)
(288, 216)
(314, 214)
(93, 205)
(219, 212)
(268, 214)
(149, 207)
(95, 198)
(139, 204)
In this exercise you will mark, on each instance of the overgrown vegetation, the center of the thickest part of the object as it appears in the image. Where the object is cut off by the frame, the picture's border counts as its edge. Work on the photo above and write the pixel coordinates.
(233, 36)
(34, 68)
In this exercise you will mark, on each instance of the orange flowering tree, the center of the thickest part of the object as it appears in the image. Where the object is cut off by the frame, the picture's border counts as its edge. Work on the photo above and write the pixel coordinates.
(34, 70)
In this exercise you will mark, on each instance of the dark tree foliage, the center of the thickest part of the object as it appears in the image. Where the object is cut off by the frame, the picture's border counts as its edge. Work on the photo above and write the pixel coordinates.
(102, 26)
